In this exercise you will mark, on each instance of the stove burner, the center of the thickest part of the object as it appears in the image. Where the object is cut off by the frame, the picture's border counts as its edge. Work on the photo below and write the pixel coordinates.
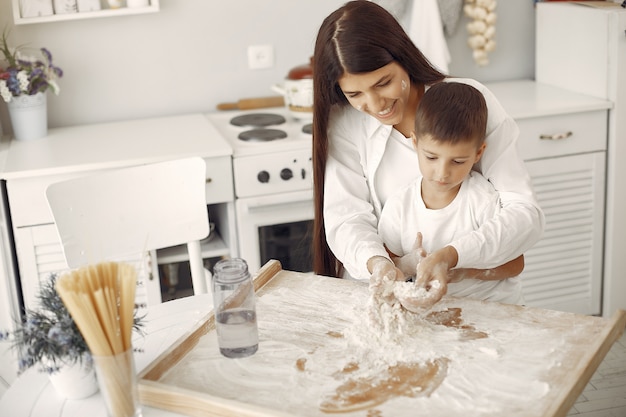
(258, 120)
(262, 135)
(308, 129)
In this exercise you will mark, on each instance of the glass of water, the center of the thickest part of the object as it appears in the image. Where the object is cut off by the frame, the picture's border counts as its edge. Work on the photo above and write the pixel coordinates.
(235, 310)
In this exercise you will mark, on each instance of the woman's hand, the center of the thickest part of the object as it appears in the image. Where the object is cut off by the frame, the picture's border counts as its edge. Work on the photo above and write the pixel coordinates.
(384, 275)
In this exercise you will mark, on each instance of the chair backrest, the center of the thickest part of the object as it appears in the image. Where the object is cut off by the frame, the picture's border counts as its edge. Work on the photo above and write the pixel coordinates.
(116, 213)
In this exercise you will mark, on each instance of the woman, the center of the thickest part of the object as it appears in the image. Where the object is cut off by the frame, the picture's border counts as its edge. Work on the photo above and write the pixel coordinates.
(368, 80)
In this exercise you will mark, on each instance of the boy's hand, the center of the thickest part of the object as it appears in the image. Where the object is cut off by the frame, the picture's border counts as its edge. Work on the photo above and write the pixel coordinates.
(431, 280)
(408, 263)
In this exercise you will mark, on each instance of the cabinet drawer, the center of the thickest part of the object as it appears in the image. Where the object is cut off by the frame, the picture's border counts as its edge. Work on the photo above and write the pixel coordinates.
(219, 180)
(588, 134)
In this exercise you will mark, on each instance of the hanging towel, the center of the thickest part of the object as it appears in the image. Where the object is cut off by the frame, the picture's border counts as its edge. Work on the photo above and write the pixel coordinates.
(450, 11)
(426, 31)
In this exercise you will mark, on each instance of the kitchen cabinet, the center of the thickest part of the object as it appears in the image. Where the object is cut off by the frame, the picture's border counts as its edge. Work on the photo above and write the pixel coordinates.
(9, 304)
(583, 49)
(40, 254)
(563, 140)
(82, 150)
(21, 18)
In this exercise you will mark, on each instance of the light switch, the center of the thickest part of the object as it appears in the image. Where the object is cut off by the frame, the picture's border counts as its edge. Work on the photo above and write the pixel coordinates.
(260, 56)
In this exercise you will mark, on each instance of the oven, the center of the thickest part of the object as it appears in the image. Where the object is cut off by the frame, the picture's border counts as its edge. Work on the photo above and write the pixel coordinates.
(273, 181)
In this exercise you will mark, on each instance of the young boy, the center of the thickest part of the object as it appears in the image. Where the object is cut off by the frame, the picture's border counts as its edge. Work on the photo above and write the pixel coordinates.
(449, 200)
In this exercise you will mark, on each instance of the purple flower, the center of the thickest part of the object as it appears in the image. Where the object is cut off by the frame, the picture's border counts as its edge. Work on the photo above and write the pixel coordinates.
(13, 83)
(57, 335)
(47, 55)
(41, 74)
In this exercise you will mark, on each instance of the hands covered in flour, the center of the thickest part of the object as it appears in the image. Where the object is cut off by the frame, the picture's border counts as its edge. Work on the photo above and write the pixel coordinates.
(408, 262)
(384, 276)
(431, 279)
(432, 275)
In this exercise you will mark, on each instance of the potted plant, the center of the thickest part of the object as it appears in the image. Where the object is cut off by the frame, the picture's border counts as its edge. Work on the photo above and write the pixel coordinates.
(49, 339)
(24, 81)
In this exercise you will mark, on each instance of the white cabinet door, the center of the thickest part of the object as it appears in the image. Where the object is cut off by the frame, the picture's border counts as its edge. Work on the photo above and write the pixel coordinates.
(583, 49)
(564, 269)
(40, 253)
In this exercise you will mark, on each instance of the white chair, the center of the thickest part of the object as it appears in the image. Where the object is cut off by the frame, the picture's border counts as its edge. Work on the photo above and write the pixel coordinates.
(109, 215)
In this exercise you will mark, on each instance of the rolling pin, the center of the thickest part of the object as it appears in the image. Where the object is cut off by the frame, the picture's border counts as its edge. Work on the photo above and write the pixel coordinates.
(253, 103)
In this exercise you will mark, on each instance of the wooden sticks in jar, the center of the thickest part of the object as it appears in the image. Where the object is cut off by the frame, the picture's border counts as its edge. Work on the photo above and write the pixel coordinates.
(101, 300)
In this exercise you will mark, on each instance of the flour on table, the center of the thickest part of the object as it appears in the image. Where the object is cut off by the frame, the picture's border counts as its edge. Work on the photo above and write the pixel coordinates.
(318, 338)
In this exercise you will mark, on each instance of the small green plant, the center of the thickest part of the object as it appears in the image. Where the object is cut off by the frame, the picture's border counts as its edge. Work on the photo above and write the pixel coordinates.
(48, 336)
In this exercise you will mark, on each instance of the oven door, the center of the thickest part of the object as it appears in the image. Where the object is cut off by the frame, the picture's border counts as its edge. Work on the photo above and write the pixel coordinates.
(277, 227)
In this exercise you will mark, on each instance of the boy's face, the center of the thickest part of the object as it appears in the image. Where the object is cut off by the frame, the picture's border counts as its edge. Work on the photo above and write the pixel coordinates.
(443, 165)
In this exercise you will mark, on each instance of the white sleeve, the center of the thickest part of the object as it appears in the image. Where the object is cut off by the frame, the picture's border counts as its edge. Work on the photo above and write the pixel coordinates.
(349, 217)
(390, 225)
(520, 222)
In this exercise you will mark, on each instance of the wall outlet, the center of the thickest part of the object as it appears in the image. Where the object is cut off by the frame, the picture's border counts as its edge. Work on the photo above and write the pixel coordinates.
(260, 56)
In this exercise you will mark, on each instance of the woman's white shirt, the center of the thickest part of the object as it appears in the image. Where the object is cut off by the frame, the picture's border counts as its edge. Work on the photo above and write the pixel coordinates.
(360, 161)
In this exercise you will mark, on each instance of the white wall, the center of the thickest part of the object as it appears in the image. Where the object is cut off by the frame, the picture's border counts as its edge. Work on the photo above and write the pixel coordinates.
(193, 54)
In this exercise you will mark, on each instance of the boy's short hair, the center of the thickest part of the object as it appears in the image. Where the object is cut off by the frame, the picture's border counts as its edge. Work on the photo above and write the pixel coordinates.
(452, 112)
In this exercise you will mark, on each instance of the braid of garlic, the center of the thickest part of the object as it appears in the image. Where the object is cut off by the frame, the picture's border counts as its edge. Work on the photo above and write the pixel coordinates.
(482, 28)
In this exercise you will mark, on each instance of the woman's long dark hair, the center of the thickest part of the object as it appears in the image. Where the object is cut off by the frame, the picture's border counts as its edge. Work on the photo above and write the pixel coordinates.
(359, 37)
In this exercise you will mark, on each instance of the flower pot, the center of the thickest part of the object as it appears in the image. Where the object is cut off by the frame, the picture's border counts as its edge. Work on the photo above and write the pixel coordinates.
(75, 381)
(29, 116)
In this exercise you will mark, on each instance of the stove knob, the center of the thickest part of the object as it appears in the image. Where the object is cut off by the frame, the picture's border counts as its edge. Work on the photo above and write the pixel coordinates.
(263, 176)
(286, 174)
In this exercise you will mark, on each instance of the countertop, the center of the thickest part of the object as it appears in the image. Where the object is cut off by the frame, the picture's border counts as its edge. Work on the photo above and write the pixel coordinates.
(112, 145)
(524, 99)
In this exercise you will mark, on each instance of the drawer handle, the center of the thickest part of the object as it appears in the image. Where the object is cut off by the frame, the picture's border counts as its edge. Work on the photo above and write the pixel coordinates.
(556, 136)
(209, 180)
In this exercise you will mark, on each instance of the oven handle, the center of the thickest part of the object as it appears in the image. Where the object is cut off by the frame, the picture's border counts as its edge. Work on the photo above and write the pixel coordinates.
(277, 199)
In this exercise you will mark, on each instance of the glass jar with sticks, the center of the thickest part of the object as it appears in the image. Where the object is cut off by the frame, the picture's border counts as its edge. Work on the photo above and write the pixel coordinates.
(101, 300)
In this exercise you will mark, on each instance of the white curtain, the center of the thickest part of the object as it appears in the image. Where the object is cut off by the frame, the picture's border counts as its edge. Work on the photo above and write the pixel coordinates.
(426, 31)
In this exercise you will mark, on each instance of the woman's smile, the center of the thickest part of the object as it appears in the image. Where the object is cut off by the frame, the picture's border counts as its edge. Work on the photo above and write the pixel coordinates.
(383, 93)
(386, 112)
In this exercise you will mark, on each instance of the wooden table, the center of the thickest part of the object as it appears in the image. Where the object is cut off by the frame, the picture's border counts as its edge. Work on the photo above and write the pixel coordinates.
(320, 354)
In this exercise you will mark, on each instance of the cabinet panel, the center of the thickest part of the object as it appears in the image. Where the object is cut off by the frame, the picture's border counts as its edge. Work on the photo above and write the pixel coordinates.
(564, 269)
(219, 180)
(588, 134)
